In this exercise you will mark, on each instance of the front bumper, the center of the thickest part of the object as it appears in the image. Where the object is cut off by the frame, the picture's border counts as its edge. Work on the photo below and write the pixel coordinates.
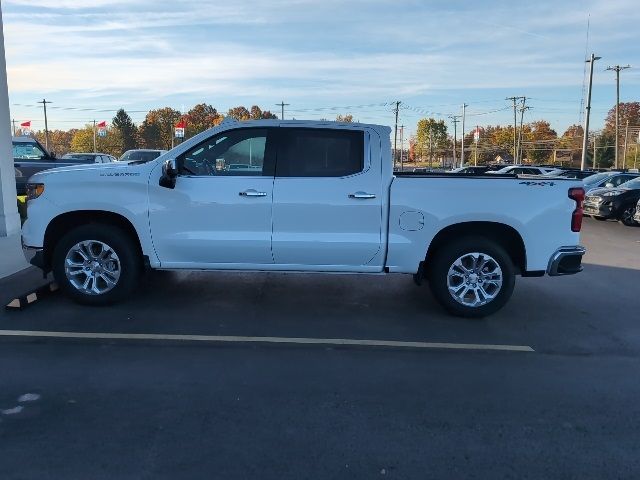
(566, 261)
(604, 210)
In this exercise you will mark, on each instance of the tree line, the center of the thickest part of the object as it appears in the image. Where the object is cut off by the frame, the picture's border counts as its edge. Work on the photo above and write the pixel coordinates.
(156, 131)
(540, 143)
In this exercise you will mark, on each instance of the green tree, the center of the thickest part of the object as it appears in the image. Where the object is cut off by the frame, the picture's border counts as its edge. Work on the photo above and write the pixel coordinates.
(126, 130)
(200, 118)
(539, 138)
(157, 129)
(431, 138)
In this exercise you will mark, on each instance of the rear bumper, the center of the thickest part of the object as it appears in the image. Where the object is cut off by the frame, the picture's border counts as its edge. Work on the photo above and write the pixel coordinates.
(566, 261)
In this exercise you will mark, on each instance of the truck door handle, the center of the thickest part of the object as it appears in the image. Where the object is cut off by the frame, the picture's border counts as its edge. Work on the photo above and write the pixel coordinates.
(362, 195)
(253, 193)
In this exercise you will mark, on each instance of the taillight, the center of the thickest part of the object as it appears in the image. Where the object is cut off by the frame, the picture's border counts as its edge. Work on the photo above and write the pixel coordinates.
(577, 194)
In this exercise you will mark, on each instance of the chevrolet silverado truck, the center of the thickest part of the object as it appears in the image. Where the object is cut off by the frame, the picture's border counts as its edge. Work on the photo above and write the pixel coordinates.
(300, 196)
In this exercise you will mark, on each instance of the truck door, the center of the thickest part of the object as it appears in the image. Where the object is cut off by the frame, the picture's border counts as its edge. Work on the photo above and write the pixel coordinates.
(327, 199)
(219, 213)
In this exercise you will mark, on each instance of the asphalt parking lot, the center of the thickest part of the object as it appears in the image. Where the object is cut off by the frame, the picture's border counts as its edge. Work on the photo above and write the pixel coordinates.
(546, 388)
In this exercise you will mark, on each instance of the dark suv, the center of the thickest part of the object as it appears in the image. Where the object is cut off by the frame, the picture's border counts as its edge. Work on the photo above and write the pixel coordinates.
(30, 157)
(618, 202)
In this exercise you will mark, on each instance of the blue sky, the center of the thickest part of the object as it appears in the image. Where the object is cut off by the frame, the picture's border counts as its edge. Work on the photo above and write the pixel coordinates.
(318, 55)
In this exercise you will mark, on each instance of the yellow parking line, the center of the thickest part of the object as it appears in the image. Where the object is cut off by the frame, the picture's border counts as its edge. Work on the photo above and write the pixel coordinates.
(241, 339)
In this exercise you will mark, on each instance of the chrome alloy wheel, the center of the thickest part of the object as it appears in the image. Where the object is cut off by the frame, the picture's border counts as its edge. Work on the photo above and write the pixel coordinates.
(92, 267)
(474, 279)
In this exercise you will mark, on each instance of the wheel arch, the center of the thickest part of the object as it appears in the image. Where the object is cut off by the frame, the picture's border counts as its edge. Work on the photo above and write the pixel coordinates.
(503, 234)
(64, 222)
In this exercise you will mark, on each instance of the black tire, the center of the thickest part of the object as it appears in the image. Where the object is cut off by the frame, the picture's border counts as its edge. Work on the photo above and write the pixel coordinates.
(120, 242)
(442, 260)
(626, 216)
(600, 219)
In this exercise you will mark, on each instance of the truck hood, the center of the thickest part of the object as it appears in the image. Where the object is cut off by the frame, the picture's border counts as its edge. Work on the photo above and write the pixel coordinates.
(90, 170)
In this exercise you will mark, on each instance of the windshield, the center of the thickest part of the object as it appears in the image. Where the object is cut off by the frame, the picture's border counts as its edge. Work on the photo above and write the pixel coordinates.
(504, 169)
(140, 155)
(631, 184)
(593, 179)
(27, 151)
(555, 171)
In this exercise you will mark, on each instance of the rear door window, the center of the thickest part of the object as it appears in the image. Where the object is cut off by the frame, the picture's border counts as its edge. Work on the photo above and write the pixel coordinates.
(310, 152)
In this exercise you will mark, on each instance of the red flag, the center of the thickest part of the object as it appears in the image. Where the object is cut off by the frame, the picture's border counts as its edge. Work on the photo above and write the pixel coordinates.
(102, 125)
(26, 124)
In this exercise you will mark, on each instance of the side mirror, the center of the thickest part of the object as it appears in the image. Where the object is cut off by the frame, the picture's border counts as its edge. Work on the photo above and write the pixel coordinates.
(609, 185)
(169, 173)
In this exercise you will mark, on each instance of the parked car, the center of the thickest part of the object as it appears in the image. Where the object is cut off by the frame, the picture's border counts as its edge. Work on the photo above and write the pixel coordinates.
(331, 203)
(30, 157)
(141, 154)
(636, 216)
(471, 170)
(521, 170)
(89, 157)
(607, 180)
(618, 203)
(570, 173)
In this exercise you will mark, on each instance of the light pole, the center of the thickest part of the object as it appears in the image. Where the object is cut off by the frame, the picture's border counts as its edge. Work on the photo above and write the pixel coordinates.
(617, 69)
(585, 133)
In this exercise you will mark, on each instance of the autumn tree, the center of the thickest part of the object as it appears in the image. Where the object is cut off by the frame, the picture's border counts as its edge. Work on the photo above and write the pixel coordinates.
(200, 118)
(572, 140)
(257, 114)
(126, 130)
(157, 129)
(59, 140)
(239, 113)
(629, 111)
(348, 118)
(82, 141)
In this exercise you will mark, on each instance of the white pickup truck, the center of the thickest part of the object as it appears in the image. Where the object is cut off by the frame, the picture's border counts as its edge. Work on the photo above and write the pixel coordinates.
(301, 196)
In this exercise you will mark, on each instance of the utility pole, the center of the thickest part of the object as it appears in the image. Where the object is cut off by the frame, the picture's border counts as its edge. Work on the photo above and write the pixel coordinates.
(520, 136)
(454, 119)
(94, 137)
(595, 140)
(585, 133)
(14, 126)
(464, 106)
(282, 105)
(395, 134)
(626, 138)
(401, 148)
(617, 69)
(46, 126)
(515, 125)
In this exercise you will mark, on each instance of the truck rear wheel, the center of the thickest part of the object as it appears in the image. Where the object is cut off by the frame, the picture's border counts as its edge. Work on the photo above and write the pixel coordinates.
(96, 264)
(471, 277)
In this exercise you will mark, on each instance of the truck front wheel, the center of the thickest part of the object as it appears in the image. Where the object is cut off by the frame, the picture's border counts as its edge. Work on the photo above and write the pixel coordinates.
(96, 264)
(471, 276)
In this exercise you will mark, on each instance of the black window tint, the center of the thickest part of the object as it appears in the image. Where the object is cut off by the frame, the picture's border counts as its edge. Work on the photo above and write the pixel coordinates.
(233, 152)
(308, 152)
